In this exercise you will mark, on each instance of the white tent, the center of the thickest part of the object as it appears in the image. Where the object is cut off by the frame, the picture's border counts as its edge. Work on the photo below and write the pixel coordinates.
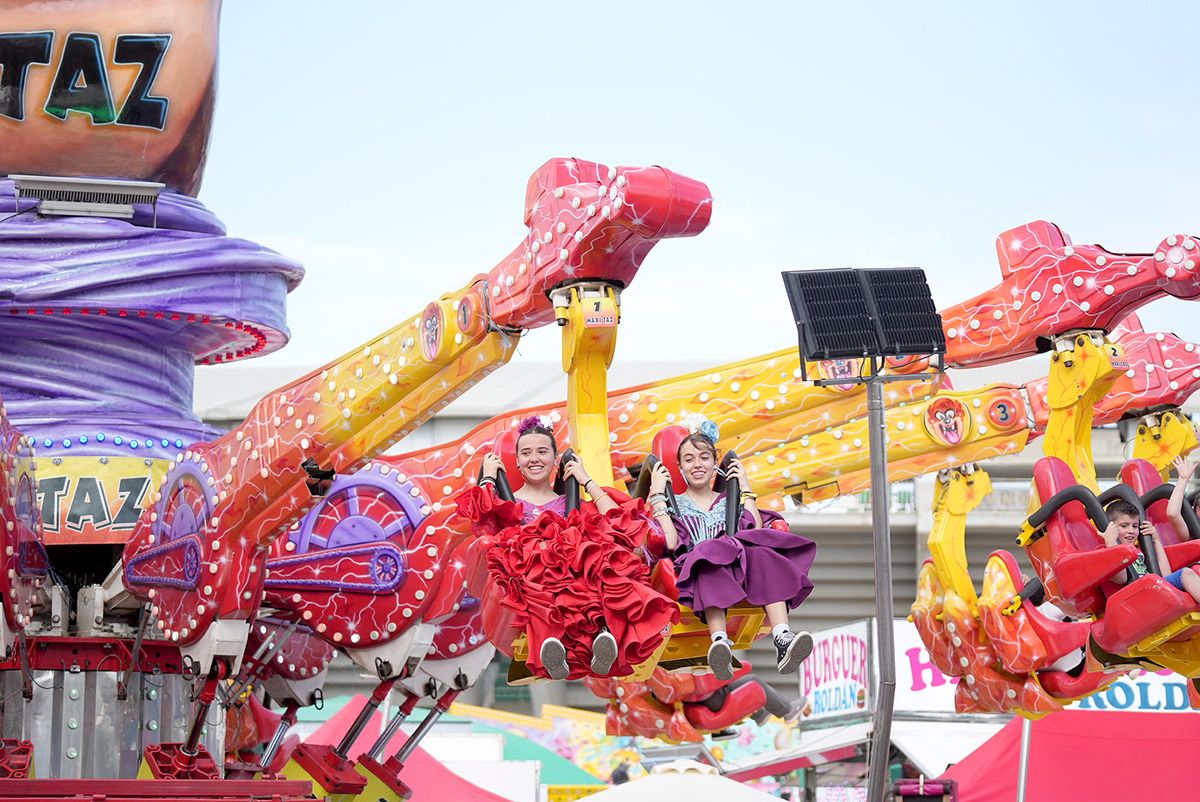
(683, 779)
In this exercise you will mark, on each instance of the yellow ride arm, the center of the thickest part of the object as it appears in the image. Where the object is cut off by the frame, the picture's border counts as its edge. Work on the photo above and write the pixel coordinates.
(953, 428)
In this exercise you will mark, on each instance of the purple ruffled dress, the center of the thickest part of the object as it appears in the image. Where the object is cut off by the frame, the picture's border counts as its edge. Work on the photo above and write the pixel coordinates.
(753, 566)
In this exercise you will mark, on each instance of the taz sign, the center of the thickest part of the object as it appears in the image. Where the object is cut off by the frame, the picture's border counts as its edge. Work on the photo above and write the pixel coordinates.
(81, 83)
(85, 500)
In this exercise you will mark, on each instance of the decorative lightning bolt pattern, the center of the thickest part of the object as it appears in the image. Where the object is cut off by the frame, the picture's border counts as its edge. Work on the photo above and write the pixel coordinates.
(197, 552)
(1050, 287)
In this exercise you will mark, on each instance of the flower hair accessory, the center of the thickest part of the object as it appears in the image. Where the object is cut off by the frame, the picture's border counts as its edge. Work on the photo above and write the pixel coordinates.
(698, 424)
(535, 423)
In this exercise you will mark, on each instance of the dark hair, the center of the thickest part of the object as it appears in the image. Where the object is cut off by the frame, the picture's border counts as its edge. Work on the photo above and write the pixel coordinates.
(1122, 507)
(533, 425)
(700, 442)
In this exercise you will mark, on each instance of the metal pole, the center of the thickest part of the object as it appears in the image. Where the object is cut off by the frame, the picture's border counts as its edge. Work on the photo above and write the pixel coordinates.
(389, 732)
(420, 732)
(1026, 735)
(364, 716)
(285, 723)
(881, 736)
(425, 726)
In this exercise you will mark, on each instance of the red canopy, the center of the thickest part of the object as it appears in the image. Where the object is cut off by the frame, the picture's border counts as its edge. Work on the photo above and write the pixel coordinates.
(1083, 756)
(428, 778)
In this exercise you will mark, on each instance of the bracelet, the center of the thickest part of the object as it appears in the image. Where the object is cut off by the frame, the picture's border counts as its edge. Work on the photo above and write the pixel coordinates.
(746, 495)
(588, 482)
(656, 497)
(657, 510)
(487, 480)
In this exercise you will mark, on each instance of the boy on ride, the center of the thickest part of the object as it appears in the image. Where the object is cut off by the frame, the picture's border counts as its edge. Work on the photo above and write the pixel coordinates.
(1124, 528)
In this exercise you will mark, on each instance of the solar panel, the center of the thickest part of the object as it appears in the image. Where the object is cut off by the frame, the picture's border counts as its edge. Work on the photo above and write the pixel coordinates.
(909, 323)
(831, 313)
(849, 314)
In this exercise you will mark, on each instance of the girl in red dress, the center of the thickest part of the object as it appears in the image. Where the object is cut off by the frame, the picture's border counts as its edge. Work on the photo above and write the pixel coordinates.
(576, 581)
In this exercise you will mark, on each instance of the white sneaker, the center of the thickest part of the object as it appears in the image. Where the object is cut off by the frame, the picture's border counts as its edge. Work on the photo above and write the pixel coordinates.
(604, 653)
(720, 659)
(554, 658)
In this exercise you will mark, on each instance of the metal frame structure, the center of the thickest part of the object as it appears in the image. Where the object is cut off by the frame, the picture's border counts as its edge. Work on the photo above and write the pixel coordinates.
(873, 356)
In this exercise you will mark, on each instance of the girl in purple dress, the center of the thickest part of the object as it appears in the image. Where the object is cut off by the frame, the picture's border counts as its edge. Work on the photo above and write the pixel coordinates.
(762, 564)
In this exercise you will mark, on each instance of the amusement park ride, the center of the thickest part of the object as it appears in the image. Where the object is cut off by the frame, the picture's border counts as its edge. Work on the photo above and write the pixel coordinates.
(158, 574)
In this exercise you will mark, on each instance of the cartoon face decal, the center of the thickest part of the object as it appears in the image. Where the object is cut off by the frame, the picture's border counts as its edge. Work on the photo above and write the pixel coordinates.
(946, 421)
(839, 369)
(431, 331)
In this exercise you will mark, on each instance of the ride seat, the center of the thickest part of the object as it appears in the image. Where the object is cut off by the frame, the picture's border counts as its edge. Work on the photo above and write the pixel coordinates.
(1072, 559)
(1145, 480)
(741, 702)
(1141, 609)
(1058, 638)
(1062, 685)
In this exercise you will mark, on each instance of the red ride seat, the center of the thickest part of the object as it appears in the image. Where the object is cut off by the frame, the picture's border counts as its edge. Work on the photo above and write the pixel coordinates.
(741, 702)
(1062, 685)
(1058, 637)
(1143, 478)
(1072, 559)
(1141, 608)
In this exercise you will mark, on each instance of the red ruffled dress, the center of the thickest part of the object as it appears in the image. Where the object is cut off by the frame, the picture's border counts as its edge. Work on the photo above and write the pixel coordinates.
(566, 576)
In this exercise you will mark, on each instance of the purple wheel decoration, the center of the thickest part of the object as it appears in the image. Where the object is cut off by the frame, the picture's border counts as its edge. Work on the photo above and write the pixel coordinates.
(191, 565)
(184, 511)
(367, 507)
(386, 568)
(186, 506)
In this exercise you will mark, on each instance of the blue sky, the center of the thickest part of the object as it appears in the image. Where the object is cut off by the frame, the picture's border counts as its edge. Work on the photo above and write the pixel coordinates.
(386, 146)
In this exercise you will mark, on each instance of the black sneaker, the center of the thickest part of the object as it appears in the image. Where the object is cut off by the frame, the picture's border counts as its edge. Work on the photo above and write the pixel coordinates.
(720, 659)
(722, 735)
(554, 658)
(604, 653)
(792, 650)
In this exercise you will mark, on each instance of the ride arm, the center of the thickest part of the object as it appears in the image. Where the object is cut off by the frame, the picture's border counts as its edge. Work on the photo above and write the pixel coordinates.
(952, 428)
(347, 411)
(959, 491)
(1050, 286)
